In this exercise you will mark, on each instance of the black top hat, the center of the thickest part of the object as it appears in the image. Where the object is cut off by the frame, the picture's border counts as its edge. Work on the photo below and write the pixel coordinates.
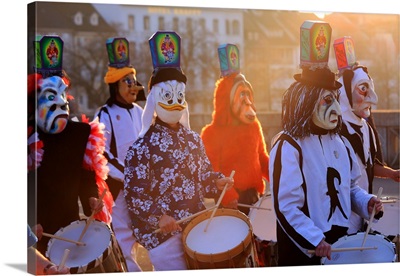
(319, 77)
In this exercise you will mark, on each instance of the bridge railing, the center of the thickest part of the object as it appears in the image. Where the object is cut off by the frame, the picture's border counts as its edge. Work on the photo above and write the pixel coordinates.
(387, 123)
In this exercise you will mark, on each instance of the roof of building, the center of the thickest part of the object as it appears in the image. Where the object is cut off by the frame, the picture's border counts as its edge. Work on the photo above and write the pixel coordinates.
(60, 15)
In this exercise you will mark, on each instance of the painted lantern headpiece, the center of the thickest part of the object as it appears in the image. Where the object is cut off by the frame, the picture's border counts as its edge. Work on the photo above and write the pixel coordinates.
(167, 83)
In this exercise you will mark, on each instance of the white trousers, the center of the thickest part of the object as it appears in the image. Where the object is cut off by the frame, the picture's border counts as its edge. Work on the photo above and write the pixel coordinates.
(169, 255)
(123, 233)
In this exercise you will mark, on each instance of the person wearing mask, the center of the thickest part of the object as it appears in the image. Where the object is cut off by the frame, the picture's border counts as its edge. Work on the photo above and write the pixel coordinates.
(65, 158)
(122, 119)
(357, 98)
(38, 264)
(167, 172)
(313, 173)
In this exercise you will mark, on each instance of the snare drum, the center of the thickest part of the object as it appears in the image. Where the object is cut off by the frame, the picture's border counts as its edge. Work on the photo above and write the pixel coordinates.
(385, 251)
(264, 228)
(227, 243)
(98, 255)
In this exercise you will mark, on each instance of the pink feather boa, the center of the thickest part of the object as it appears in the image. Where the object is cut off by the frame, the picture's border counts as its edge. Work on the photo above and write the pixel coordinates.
(96, 161)
(35, 150)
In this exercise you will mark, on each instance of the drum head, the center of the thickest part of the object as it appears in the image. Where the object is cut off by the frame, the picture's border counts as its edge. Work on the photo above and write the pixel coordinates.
(264, 221)
(385, 251)
(97, 239)
(229, 230)
(389, 224)
(223, 234)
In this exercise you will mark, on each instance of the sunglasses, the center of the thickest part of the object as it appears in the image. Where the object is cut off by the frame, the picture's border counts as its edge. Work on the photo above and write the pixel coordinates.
(129, 82)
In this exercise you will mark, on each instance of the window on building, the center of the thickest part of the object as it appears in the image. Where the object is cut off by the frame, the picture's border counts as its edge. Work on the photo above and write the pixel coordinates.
(146, 23)
(131, 22)
(227, 27)
(253, 36)
(78, 18)
(189, 24)
(82, 41)
(256, 36)
(132, 49)
(235, 27)
(161, 23)
(202, 23)
(175, 24)
(215, 26)
(94, 19)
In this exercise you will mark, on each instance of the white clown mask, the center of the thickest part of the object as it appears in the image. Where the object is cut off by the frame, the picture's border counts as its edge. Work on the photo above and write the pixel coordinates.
(363, 94)
(52, 108)
(327, 112)
(167, 100)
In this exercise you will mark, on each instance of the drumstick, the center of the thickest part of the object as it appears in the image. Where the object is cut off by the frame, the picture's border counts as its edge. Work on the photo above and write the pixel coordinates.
(346, 249)
(264, 196)
(371, 218)
(189, 217)
(62, 238)
(219, 201)
(251, 206)
(64, 259)
(89, 220)
(388, 200)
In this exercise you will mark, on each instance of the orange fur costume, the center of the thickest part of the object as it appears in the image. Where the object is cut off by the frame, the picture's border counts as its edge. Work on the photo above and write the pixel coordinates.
(233, 145)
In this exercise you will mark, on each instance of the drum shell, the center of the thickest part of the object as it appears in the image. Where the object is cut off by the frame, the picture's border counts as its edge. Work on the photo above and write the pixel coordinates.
(241, 255)
(263, 223)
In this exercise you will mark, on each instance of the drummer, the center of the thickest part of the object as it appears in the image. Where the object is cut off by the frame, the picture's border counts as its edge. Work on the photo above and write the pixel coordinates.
(357, 98)
(167, 173)
(235, 138)
(38, 264)
(313, 178)
(65, 161)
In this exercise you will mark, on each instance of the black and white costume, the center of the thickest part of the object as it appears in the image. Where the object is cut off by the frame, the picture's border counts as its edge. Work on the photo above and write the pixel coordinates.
(122, 127)
(313, 175)
(317, 171)
(362, 138)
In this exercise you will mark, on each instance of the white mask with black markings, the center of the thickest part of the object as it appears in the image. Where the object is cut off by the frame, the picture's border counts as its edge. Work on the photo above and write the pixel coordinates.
(327, 112)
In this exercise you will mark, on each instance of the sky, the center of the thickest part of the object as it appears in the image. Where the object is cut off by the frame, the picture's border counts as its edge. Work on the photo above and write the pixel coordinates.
(13, 119)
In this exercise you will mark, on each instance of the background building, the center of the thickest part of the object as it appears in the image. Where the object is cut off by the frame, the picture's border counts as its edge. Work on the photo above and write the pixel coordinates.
(268, 42)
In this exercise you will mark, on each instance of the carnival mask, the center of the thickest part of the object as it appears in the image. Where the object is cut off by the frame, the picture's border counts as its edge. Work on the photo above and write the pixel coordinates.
(128, 89)
(242, 103)
(170, 100)
(52, 109)
(363, 94)
(327, 112)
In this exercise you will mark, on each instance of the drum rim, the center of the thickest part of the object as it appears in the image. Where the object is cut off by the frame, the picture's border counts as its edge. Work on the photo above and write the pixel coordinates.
(220, 256)
(93, 263)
